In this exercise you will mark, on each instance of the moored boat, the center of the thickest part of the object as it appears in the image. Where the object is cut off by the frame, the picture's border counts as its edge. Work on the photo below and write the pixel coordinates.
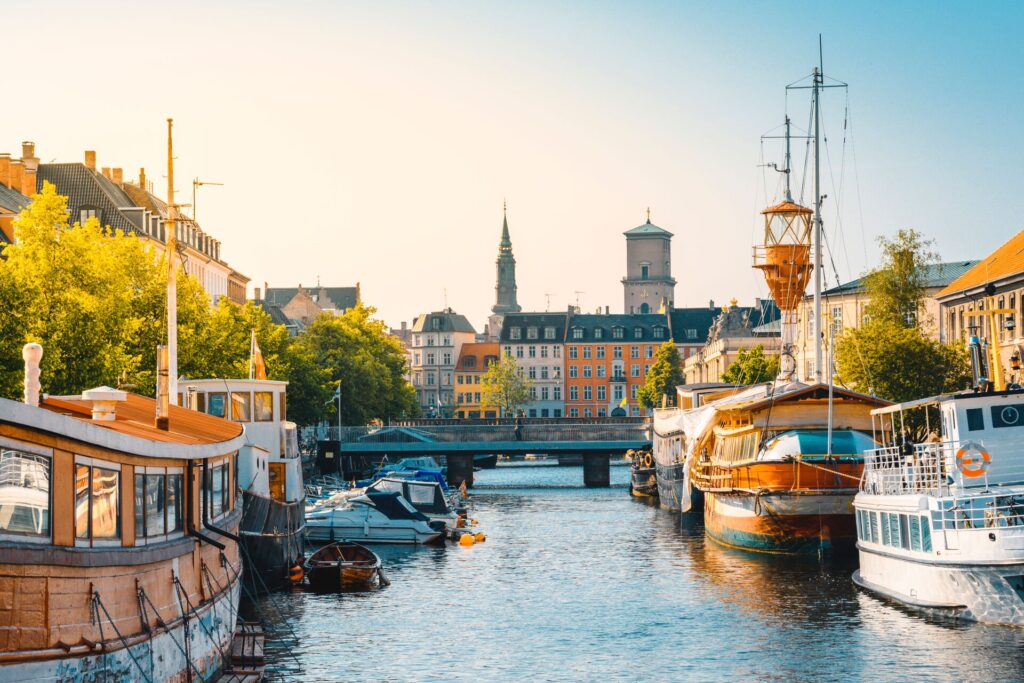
(119, 523)
(643, 480)
(941, 522)
(373, 517)
(344, 567)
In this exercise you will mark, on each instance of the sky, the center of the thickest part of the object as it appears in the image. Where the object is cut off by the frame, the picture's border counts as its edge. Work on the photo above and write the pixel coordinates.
(375, 142)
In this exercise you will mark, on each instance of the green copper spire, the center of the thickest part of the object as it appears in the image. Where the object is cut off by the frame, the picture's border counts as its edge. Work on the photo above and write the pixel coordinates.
(505, 284)
(506, 241)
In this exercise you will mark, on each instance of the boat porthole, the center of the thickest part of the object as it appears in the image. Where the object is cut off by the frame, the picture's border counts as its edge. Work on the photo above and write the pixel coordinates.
(991, 536)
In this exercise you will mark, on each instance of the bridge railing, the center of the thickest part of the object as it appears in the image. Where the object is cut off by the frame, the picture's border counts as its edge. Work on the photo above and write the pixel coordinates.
(631, 432)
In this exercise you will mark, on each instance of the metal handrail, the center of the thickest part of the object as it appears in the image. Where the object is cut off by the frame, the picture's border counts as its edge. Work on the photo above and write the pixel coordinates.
(492, 433)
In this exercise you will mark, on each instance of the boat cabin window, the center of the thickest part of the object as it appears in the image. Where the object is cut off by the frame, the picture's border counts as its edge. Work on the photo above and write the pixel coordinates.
(241, 402)
(200, 402)
(24, 493)
(281, 404)
(975, 419)
(158, 502)
(263, 406)
(1008, 416)
(97, 502)
(217, 404)
(218, 489)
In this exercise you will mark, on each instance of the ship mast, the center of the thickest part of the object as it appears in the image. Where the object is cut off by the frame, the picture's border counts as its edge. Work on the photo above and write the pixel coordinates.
(172, 274)
(817, 81)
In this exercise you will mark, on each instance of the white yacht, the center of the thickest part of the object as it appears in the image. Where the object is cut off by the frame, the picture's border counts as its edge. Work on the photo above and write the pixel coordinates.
(940, 524)
(373, 517)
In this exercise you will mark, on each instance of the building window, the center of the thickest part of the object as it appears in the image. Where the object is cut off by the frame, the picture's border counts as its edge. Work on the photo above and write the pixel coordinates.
(617, 393)
(543, 372)
(617, 352)
(240, 406)
(533, 412)
(519, 352)
(533, 352)
(588, 392)
(533, 372)
(577, 333)
(632, 391)
(556, 393)
(533, 396)
(598, 333)
(447, 358)
(587, 372)
(515, 333)
(430, 379)
(87, 212)
(574, 393)
(573, 371)
(544, 393)
(600, 352)
(97, 502)
(573, 352)
(691, 333)
(638, 333)
(648, 352)
(416, 358)
(549, 333)
(556, 351)
(600, 370)
(430, 340)
(635, 411)
(659, 332)
(263, 406)
(430, 359)
(837, 321)
(25, 505)
(469, 362)
(601, 395)
(634, 351)
(544, 352)
(574, 412)
(436, 323)
(586, 352)
(508, 350)
(634, 370)
(476, 397)
(618, 332)
(645, 272)
(531, 332)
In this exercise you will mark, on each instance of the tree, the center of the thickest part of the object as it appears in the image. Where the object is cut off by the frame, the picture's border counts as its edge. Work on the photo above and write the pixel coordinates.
(505, 387)
(896, 288)
(664, 376)
(752, 366)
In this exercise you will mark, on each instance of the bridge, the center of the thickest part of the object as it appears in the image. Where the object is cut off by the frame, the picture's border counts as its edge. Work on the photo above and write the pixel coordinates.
(596, 439)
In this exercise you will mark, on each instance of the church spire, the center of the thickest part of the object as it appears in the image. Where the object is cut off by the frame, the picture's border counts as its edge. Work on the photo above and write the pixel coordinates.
(505, 284)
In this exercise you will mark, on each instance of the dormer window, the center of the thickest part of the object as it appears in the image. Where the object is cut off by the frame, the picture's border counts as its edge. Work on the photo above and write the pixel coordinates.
(469, 362)
(549, 333)
(659, 332)
(531, 332)
(598, 333)
(87, 212)
(436, 323)
(577, 333)
(618, 332)
(638, 333)
(515, 333)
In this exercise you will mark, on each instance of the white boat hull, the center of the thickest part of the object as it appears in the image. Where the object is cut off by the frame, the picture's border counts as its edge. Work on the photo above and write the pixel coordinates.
(362, 534)
(991, 594)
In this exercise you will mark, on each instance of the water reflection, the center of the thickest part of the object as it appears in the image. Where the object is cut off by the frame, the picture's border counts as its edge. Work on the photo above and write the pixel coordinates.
(578, 584)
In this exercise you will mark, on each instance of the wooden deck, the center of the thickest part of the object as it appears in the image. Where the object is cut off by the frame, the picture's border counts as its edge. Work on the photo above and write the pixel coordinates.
(247, 660)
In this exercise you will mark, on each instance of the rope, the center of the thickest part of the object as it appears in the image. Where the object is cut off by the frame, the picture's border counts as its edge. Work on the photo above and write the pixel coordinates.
(194, 610)
(189, 666)
(267, 625)
(97, 605)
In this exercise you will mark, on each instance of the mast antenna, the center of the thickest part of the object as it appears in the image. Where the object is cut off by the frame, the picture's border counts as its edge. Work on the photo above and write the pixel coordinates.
(172, 273)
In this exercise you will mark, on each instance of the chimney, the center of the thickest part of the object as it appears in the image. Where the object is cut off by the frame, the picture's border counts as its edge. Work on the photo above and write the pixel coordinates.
(118, 176)
(711, 304)
(403, 325)
(32, 353)
(31, 163)
(256, 294)
(28, 150)
(106, 172)
(104, 402)
(90, 160)
(5, 169)
(142, 178)
(17, 175)
(607, 310)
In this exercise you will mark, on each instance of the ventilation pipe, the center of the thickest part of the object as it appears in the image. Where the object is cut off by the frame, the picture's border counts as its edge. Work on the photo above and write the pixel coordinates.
(32, 353)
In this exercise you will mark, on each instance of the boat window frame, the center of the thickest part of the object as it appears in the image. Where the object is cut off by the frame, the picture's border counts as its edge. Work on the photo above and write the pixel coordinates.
(210, 395)
(167, 473)
(91, 541)
(31, 449)
(269, 395)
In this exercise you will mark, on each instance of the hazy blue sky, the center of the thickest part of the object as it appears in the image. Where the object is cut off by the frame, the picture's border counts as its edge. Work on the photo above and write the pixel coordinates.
(375, 142)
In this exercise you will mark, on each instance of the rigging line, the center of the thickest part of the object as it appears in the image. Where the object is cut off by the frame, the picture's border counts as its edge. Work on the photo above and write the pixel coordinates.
(856, 183)
(838, 232)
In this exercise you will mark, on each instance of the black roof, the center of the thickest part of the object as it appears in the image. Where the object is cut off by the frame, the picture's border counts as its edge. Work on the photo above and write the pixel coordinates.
(447, 321)
(522, 321)
(277, 316)
(389, 504)
(590, 323)
(12, 200)
(86, 188)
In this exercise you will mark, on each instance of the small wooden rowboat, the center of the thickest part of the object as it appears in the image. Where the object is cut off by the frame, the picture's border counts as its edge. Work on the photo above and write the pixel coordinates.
(345, 567)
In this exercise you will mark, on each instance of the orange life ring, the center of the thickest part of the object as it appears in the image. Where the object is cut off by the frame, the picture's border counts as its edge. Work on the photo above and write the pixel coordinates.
(647, 460)
(296, 574)
(972, 460)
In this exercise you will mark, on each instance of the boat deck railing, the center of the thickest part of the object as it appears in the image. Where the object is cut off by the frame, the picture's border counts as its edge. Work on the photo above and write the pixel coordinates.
(924, 469)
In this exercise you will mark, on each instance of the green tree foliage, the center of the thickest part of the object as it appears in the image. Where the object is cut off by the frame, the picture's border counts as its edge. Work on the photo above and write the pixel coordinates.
(96, 300)
(505, 386)
(751, 367)
(665, 375)
(896, 289)
(356, 351)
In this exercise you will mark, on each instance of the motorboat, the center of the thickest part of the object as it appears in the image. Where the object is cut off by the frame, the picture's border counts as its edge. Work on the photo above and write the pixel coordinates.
(345, 567)
(371, 517)
(643, 481)
(424, 495)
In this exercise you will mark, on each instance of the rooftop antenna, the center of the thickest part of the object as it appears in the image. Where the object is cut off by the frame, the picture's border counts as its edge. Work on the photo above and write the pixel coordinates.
(578, 293)
(445, 299)
(548, 296)
(197, 183)
(172, 273)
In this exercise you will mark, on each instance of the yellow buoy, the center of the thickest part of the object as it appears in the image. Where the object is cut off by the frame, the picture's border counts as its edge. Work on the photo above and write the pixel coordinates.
(466, 540)
(480, 537)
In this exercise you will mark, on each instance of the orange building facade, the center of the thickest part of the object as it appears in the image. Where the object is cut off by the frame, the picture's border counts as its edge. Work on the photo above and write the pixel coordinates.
(469, 371)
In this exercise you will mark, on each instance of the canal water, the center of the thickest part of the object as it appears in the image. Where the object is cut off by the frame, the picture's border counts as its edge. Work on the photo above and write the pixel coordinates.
(577, 584)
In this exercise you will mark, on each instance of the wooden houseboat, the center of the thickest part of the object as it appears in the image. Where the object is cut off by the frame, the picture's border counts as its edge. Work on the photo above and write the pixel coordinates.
(118, 558)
